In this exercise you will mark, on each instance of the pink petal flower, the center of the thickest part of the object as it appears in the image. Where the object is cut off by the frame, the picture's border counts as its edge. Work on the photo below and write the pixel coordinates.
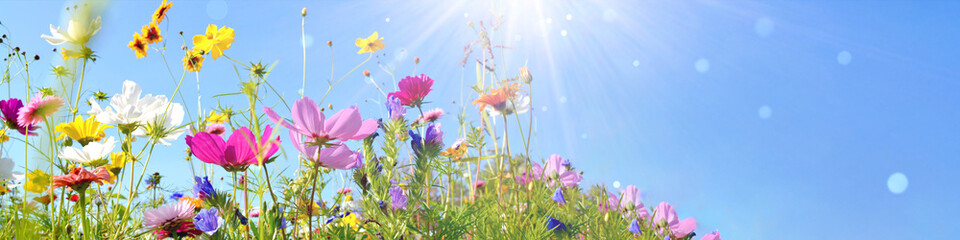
(684, 227)
(413, 89)
(338, 157)
(38, 109)
(712, 236)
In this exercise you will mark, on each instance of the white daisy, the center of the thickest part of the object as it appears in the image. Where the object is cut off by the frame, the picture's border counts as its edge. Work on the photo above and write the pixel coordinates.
(92, 155)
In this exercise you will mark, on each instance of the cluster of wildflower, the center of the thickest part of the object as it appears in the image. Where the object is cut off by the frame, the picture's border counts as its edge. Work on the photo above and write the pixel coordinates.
(411, 182)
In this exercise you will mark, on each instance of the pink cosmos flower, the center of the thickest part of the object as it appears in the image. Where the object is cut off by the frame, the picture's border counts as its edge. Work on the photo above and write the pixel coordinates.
(431, 115)
(664, 213)
(337, 156)
(345, 190)
(534, 173)
(39, 108)
(235, 154)
(479, 183)
(311, 130)
(611, 204)
(556, 168)
(631, 197)
(413, 89)
(712, 236)
(309, 122)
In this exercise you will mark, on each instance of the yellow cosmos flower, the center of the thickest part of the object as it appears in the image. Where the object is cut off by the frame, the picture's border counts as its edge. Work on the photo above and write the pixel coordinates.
(37, 181)
(218, 118)
(139, 46)
(162, 11)
(214, 41)
(370, 44)
(151, 33)
(193, 60)
(83, 131)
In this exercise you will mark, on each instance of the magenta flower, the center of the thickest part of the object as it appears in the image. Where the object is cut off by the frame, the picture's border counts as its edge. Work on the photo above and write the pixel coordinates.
(665, 214)
(11, 111)
(413, 89)
(39, 108)
(235, 154)
(712, 236)
(309, 122)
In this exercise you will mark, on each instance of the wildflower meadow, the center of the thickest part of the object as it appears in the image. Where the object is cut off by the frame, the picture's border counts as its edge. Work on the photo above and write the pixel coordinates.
(80, 162)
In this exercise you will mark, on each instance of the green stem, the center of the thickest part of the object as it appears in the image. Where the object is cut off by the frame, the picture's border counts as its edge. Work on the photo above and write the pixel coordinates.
(344, 76)
(76, 103)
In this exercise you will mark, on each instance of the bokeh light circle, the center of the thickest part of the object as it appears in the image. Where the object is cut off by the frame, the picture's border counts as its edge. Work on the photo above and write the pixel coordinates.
(765, 112)
(702, 65)
(897, 183)
(217, 9)
(844, 58)
(764, 26)
(308, 40)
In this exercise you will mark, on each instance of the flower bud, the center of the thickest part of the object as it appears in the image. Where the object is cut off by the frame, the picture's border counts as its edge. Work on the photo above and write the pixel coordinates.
(36, 57)
(366, 73)
(525, 75)
(329, 43)
(303, 12)
(416, 59)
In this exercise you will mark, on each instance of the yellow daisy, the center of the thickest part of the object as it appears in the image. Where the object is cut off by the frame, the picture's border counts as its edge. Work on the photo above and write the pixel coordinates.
(83, 131)
(370, 44)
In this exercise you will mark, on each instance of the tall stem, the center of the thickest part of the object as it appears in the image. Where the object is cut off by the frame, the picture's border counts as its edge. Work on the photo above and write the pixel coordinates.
(303, 43)
(76, 103)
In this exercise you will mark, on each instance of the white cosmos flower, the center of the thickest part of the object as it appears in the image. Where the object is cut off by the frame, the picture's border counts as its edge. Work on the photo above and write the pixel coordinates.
(7, 173)
(127, 107)
(75, 33)
(518, 104)
(164, 124)
(93, 154)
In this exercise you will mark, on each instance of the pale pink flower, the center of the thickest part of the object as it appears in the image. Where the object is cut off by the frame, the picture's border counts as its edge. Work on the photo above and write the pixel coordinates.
(168, 215)
(40, 107)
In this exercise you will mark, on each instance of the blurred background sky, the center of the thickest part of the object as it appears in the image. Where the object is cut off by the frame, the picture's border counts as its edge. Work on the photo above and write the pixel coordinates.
(762, 119)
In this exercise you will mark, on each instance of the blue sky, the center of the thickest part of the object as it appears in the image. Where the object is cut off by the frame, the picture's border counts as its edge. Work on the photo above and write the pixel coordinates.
(762, 119)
